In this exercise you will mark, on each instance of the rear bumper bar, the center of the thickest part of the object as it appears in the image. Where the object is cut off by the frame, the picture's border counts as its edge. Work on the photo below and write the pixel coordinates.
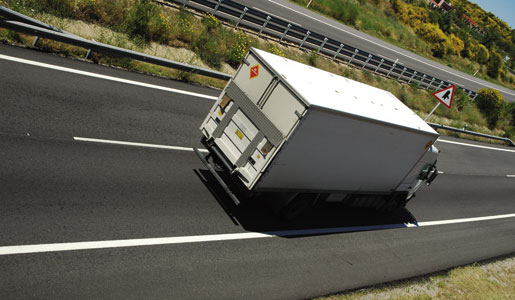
(204, 159)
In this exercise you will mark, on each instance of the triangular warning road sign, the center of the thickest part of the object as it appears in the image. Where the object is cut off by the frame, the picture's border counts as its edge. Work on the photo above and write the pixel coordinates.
(445, 96)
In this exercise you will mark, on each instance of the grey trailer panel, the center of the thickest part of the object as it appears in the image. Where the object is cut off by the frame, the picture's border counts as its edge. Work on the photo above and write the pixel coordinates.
(330, 151)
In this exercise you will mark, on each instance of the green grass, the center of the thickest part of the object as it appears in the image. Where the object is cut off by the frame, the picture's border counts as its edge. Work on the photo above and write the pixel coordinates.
(494, 280)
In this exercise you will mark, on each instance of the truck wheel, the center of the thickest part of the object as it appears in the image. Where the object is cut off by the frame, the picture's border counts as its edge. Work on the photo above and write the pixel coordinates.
(297, 206)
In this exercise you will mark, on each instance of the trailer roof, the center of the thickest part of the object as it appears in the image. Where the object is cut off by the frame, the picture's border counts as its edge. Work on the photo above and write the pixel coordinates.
(320, 88)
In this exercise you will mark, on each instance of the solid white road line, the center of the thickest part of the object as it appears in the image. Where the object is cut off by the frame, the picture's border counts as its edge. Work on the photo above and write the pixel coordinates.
(476, 146)
(23, 249)
(511, 176)
(383, 46)
(82, 139)
(90, 74)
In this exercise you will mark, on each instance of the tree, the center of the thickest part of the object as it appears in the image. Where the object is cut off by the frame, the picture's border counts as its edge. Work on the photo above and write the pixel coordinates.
(457, 44)
(482, 54)
(490, 102)
(495, 64)
(435, 37)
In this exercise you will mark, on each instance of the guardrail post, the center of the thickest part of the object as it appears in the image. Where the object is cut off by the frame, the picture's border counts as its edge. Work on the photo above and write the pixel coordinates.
(305, 38)
(440, 85)
(338, 52)
(323, 44)
(366, 62)
(35, 41)
(379, 65)
(412, 76)
(393, 66)
(216, 7)
(431, 83)
(185, 2)
(474, 98)
(355, 52)
(403, 70)
(286, 31)
(245, 9)
(264, 25)
(422, 79)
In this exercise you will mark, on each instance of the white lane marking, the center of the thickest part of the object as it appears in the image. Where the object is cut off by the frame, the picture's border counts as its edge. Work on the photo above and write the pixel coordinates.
(440, 172)
(83, 139)
(510, 176)
(90, 74)
(383, 46)
(476, 146)
(23, 249)
(270, 14)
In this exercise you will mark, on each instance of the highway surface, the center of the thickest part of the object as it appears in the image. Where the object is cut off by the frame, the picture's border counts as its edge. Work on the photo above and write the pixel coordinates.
(335, 30)
(106, 219)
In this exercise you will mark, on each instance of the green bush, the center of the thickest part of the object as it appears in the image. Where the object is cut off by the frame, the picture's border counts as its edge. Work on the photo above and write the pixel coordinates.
(461, 100)
(490, 102)
(495, 64)
(210, 49)
(239, 49)
(312, 58)
(482, 54)
(138, 20)
(211, 22)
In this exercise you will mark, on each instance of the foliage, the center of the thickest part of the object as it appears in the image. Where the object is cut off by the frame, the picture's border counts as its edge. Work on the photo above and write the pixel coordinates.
(435, 37)
(457, 44)
(313, 58)
(482, 54)
(495, 65)
(490, 102)
(414, 16)
(185, 27)
(210, 50)
(211, 22)
(239, 49)
(346, 11)
(461, 100)
(275, 50)
(139, 18)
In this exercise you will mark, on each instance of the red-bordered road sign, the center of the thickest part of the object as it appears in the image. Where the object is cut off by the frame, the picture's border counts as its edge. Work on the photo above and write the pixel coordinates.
(446, 95)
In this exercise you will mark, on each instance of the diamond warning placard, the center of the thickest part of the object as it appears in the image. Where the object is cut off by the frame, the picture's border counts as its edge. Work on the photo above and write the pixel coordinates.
(445, 95)
(254, 71)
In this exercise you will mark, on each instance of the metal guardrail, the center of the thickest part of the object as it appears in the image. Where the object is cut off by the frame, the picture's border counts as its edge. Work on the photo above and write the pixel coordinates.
(287, 31)
(439, 126)
(40, 29)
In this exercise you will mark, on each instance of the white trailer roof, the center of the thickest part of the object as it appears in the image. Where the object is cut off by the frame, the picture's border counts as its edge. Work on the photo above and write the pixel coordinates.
(324, 89)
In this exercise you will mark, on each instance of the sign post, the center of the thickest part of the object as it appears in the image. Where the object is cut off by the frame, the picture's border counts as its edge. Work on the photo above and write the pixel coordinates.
(445, 96)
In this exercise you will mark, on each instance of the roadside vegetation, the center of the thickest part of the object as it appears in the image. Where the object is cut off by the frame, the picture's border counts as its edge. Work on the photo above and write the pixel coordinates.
(494, 280)
(466, 37)
(203, 40)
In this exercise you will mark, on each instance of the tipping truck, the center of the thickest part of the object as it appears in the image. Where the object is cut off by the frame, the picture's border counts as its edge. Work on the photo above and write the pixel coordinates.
(298, 135)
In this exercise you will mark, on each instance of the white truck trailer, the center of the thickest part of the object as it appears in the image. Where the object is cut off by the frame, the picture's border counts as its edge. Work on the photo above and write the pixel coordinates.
(284, 128)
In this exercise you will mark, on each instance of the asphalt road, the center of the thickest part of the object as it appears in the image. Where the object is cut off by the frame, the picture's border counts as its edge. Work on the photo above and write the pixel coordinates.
(56, 189)
(335, 30)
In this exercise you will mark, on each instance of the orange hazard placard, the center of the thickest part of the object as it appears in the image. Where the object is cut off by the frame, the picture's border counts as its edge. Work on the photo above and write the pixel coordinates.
(254, 71)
